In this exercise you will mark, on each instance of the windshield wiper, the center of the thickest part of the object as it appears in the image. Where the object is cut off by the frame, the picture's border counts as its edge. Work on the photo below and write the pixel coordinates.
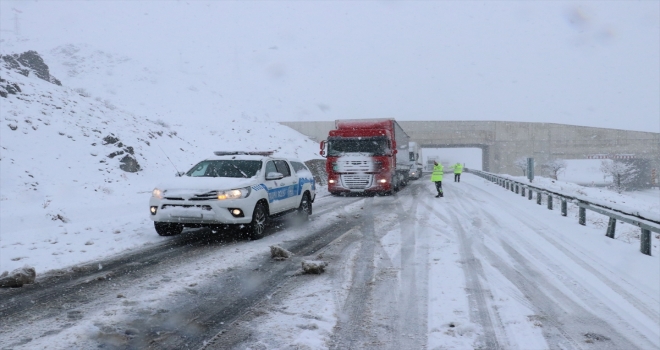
(215, 171)
(244, 175)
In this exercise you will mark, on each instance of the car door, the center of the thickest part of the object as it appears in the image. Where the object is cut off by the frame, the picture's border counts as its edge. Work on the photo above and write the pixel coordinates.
(290, 181)
(275, 188)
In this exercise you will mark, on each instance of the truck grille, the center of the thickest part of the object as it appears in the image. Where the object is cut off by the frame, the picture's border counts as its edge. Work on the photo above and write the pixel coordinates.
(354, 166)
(356, 181)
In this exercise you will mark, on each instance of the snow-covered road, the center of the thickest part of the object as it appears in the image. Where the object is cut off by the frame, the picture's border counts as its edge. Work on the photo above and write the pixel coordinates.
(481, 268)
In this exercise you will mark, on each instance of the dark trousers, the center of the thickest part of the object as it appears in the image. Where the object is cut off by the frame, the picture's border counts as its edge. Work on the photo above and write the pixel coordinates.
(457, 177)
(438, 186)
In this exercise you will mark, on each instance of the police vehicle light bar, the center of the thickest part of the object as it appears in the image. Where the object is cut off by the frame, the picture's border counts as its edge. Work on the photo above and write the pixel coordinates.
(250, 153)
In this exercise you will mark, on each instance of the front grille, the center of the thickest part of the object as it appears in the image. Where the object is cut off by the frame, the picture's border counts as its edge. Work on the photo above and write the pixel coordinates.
(204, 207)
(354, 166)
(205, 196)
(356, 181)
(198, 197)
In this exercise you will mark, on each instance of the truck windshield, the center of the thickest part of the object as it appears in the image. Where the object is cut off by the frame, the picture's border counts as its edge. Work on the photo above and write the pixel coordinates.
(377, 146)
(225, 168)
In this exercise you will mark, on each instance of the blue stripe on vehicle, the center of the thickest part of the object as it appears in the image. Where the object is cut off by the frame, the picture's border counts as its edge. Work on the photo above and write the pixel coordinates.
(260, 187)
(302, 181)
(276, 194)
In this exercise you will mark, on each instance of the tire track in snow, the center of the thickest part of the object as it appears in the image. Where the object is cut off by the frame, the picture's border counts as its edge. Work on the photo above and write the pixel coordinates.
(481, 311)
(413, 285)
(353, 327)
(89, 291)
(540, 228)
(477, 296)
(586, 265)
(568, 327)
(367, 321)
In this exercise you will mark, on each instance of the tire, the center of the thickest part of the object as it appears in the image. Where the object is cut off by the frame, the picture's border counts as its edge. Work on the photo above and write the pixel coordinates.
(168, 228)
(257, 227)
(305, 207)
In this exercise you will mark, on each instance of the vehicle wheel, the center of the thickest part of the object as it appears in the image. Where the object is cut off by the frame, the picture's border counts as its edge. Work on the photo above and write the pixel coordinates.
(305, 207)
(257, 227)
(168, 228)
(395, 184)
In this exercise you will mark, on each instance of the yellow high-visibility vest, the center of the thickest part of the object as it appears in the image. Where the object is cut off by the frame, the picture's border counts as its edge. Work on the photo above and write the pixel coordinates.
(438, 171)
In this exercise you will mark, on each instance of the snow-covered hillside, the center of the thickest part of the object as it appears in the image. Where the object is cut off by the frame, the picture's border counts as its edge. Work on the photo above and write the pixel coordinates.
(77, 169)
(154, 89)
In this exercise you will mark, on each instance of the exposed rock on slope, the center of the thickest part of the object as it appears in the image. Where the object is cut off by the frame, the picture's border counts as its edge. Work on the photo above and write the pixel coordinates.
(29, 62)
(35, 112)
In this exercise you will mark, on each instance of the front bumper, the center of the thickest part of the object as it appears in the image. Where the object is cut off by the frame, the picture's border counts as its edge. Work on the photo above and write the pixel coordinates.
(201, 212)
(351, 183)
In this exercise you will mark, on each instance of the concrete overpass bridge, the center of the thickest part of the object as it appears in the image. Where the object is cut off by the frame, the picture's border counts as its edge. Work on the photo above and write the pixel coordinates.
(504, 142)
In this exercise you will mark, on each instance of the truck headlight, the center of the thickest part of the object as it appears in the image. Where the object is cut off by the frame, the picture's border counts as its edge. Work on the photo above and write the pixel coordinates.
(157, 193)
(234, 194)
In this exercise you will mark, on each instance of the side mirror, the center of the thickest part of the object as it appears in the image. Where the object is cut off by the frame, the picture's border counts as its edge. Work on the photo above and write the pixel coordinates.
(274, 176)
(322, 151)
(180, 173)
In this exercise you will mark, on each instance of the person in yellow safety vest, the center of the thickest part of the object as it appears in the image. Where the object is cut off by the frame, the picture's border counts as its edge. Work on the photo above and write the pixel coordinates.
(458, 170)
(436, 177)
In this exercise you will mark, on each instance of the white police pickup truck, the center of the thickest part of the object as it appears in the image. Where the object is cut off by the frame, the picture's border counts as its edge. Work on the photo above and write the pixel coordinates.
(233, 188)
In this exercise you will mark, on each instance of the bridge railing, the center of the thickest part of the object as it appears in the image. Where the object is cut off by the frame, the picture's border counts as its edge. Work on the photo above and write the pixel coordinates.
(646, 221)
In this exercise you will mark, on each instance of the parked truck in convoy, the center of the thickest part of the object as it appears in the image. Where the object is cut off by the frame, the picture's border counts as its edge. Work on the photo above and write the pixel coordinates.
(416, 165)
(366, 156)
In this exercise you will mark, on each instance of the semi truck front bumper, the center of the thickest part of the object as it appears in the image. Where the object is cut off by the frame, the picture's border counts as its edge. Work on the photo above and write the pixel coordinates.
(359, 183)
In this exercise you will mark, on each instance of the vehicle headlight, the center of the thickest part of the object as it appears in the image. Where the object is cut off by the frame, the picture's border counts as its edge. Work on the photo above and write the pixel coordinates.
(234, 194)
(157, 193)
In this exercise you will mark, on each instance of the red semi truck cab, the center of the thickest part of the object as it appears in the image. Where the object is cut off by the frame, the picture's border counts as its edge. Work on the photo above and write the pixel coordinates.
(366, 156)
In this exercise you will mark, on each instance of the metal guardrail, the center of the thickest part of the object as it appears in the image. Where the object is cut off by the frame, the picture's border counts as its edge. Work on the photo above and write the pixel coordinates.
(634, 218)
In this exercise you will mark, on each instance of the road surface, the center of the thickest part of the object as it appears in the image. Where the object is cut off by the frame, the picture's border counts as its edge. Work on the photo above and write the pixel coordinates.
(481, 268)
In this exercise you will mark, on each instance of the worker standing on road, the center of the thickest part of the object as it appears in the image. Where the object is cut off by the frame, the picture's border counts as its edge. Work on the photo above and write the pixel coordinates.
(458, 170)
(436, 177)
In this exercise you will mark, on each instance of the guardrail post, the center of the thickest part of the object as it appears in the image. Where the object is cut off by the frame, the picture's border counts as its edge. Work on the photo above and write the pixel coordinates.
(611, 227)
(522, 190)
(564, 207)
(645, 242)
(549, 202)
(513, 186)
(530, 194)
(538, 197)
(507, 185)
(517, 189)
(582, 214)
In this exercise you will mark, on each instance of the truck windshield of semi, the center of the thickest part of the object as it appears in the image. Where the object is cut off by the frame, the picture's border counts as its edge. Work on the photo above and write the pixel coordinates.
(373, 146)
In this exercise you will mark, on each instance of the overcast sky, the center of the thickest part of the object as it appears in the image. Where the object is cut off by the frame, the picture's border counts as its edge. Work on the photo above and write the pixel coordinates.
(591, 63)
